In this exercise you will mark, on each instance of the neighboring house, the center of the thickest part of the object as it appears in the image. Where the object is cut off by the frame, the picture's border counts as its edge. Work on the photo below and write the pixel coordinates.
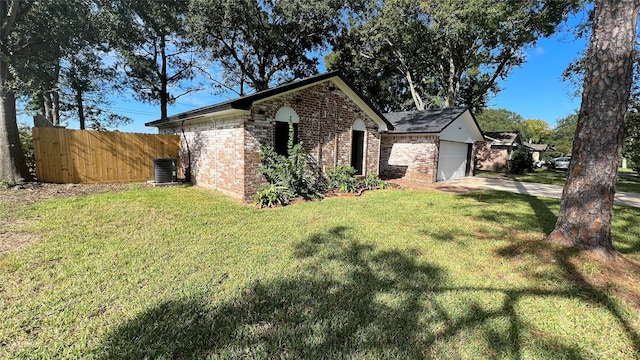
(336, 124)
(495, 151)
(431, 145)
(537, 150)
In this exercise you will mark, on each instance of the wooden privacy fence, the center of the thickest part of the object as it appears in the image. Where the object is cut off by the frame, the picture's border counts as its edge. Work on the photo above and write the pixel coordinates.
(82, 156)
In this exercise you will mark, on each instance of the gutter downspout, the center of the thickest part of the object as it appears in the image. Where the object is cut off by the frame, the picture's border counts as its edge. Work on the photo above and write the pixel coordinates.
(187, 174)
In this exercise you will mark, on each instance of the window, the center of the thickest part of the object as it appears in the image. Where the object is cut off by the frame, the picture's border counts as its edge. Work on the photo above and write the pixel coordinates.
(357, 146)
(281, 131)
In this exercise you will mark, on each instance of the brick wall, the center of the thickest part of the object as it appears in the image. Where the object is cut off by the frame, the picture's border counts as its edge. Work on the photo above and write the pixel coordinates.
(409, 156)
(217, 149)
(324, 116)
(225, 153)
(491, 158)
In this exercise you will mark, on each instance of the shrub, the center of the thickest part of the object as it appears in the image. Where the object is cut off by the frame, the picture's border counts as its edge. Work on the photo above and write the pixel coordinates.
(273, 195)
(341, 179)
(290, 172)
(26, 142)
(372, 181)
(7, 184)
(521, 162)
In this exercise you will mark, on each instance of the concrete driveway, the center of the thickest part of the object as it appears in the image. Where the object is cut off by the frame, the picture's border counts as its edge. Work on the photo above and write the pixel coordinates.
(526, 188)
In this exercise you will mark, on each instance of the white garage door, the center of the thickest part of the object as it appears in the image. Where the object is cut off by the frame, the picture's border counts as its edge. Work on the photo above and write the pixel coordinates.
(452, 161)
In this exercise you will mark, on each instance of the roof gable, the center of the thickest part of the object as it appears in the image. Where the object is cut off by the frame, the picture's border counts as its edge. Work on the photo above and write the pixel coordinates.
(244, 104)
(437, 121)
(509, 138)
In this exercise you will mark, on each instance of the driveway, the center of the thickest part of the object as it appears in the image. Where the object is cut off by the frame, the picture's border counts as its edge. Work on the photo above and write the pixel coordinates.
(533, 189)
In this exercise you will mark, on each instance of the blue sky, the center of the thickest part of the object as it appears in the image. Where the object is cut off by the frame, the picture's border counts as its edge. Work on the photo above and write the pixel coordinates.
(535, 90)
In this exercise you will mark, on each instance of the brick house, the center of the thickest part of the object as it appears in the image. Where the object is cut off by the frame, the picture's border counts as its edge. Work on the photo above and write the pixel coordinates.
(430, 145)
(336, 124)
(494, 152)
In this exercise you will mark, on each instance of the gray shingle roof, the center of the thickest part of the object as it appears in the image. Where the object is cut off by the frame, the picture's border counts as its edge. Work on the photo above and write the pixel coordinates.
(425, 121)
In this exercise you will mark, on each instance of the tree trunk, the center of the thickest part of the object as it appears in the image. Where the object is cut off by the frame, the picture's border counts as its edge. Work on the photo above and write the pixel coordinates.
(586, 207)
(417, 100)
(51, 97)
(12, 163)
(164, 88)
(80, 108)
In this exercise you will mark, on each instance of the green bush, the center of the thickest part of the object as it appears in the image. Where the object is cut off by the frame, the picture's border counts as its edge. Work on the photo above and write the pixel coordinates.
(273, 195)
(341, 179)
(521, 162)
(26, 142)
(372, 181)
(290, 172)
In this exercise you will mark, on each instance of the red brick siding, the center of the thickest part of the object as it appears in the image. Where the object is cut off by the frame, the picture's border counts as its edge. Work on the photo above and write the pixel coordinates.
(226, 154)
(323, 114)
(491, 158)
(217, 149)
(409, 156)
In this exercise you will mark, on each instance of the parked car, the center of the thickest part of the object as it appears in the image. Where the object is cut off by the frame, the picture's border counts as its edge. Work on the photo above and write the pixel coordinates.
(561, 162)
(539, 163)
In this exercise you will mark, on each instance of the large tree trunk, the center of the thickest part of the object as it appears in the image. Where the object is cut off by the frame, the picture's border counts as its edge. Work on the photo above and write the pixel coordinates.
(12, 163)
(586, 207)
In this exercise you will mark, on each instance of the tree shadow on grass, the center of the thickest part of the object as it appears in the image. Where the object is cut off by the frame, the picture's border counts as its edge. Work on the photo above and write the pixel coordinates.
(564, 259)
(627, 228)
(351, 300)
(544, 218)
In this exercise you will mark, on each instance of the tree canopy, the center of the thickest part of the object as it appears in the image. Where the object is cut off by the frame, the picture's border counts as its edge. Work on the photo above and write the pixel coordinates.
(440, 53)
(157, 57)
(258, 44)
(502, 120)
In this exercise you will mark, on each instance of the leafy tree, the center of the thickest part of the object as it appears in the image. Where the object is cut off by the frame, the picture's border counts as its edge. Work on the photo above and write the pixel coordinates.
(150, 38)
(86, 83)
(56, 30)
(261, 43)
(586, 206)
(26, 143)
(631, 144)
(441, 52)
(562, 136)
(538, 131)
(495, 120)
(383, 53)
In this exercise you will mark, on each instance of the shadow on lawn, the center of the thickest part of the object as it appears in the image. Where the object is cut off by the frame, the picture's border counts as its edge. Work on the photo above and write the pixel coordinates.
(626, 222)
(562, 257)
(544, 219)
(351, 300)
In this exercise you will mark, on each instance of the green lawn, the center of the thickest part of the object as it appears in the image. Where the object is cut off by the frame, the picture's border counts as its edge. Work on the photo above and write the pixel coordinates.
(188, 273)
(628, 182)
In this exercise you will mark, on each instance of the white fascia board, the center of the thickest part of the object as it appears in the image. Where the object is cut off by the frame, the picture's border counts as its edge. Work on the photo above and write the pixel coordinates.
(382, 126)
(462, 129)
(207, 117)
